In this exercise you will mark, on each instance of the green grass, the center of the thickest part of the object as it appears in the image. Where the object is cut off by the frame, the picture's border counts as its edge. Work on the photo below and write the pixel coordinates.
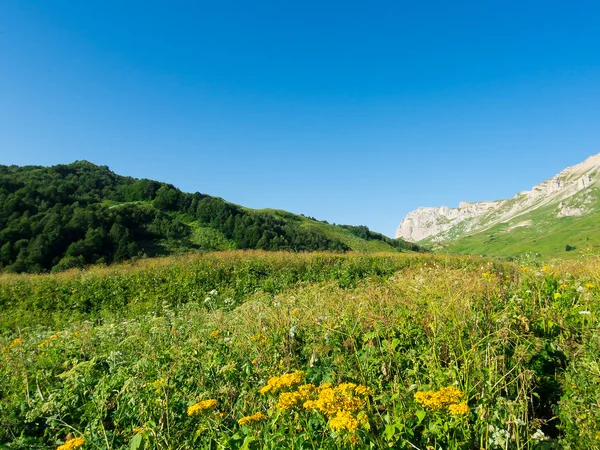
(118, 355)
(547, 236)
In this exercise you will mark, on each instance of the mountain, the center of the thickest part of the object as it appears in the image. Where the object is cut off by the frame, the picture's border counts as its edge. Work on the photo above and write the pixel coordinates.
(64, 216)
(556, 217)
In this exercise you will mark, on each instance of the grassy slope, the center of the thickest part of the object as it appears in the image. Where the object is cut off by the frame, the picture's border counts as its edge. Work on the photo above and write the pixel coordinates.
(334, 232)
(547, 235)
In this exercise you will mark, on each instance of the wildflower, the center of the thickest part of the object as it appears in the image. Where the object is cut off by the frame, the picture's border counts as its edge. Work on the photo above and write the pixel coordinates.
(438, 399)
(259, 338)
(213, 292)
(256, 417)
(458, 409)
(284, 381)
(589, 285)
(331, 400)
(44, 343)
(586, 313)
(289, 400)
(343, 420)
(158, 384)
(15, 343)
(71, 444)
(215, 334)
(539, 436)
(201, 406)
(363, 390)
(557, 295)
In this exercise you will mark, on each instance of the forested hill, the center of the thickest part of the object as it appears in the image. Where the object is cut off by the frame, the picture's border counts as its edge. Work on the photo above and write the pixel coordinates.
(55, 218)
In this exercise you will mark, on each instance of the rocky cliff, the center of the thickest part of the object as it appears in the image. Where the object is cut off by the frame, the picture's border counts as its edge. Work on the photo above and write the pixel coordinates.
(569, 193)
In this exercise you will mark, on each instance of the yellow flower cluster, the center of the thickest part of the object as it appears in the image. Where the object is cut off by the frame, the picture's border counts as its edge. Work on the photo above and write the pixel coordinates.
(201, 406)
(158, 385)
(488, 276)
(259, 338)
(47, 341)
(15, 343)
(256, 417)
(449, 397)
(344, 397)
(289, 400)
(458, 409)
(589, 285)
(215, 334)
(71, 444)
(343, 420)
(342, 404)
(287, 380)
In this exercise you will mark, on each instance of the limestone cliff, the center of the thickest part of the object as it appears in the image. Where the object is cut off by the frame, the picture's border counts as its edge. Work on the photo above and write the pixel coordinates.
(570, 191)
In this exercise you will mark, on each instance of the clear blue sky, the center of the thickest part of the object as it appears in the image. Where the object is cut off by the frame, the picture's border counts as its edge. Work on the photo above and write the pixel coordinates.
(353, 112)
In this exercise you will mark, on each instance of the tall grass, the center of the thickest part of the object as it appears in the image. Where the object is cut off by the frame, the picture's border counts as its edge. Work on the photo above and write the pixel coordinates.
(519, 345)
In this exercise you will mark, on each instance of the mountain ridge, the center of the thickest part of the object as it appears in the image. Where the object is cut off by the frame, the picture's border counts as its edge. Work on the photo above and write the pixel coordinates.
(572, 193)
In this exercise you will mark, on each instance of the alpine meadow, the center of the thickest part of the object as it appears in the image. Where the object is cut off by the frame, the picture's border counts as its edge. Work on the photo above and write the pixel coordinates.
(223, 225)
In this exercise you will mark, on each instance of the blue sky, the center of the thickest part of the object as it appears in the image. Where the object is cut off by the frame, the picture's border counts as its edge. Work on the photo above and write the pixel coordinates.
(353, 112)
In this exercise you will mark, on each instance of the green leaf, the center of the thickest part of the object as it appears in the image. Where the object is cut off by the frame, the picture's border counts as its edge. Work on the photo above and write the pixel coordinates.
(389, 431)
(246, 444)
(137, 442)
(420, 415)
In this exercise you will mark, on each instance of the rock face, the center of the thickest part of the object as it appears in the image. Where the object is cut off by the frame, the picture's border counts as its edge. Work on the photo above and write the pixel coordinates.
(570, 192)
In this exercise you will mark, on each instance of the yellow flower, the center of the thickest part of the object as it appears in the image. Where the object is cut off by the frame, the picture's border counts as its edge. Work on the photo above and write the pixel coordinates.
(363, 390)
(589, 285)
(287, 380)
(215, 334)
(289, 400)
(259, 338)
(331, 400)
(201, 406)
(557, 295)
(71, 444)
(458, 409)
(43, 343)
(343, 420)
(256, 417)
(438, 399)
(15, 343)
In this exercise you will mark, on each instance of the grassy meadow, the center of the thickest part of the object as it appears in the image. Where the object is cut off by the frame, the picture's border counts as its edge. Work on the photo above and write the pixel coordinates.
(258, 350)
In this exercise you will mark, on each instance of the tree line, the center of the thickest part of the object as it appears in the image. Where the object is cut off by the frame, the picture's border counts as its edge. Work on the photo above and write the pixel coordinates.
(55, 218)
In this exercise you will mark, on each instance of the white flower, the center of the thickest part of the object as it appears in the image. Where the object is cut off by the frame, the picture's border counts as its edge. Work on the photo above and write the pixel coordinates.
(213, 292)
(584, 313)
(293, 331)
(539, 436)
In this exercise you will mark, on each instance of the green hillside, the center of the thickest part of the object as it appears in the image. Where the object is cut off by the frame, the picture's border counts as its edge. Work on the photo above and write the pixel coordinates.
(539, 232)
(56, 218)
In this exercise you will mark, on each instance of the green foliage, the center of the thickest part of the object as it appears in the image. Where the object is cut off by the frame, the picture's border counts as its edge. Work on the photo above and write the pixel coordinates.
(55, 218)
